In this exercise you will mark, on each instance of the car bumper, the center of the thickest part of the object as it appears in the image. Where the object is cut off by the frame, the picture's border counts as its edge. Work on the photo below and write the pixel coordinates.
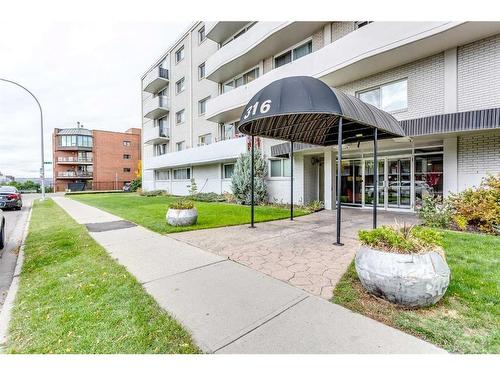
(10, 204)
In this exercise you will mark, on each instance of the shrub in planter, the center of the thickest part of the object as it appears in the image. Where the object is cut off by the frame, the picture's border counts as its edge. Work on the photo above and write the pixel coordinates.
(182, 213)
(404, 264)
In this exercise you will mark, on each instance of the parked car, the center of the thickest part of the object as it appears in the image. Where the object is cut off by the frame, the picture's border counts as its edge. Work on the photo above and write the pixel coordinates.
(10, 197)
(2, 230)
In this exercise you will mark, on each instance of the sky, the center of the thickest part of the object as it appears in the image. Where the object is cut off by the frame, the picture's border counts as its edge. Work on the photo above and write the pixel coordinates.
(87, 71)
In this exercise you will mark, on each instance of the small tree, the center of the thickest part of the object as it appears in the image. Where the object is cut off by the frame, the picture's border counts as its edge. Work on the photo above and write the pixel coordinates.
(193, 188)
(241, 180)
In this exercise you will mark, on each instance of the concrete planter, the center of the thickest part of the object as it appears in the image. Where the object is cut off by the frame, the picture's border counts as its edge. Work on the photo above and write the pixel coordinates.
(182, 217)
(412, 280)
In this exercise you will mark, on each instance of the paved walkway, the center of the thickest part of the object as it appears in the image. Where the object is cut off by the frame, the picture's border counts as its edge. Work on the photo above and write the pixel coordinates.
(230, 308)
(300, 252)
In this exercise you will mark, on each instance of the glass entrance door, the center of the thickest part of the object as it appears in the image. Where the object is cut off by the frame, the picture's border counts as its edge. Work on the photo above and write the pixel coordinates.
(368, 181)
(398, 182)
(352, 182)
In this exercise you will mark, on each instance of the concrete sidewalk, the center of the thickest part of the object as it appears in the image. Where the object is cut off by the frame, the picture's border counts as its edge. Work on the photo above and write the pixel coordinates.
(229, 308)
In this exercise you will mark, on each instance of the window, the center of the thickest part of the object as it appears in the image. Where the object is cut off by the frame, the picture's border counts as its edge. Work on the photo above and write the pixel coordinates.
(126, 170)
(229, 131)
(162, 175)
(179, 54)
(161, 149)
(127, 156)
(201, 71)
(202, 106)
(280, 168)
(163, 127)
(390, 97)
(127, 143)
(228, 170)
(293, 54)
(75, 141)
(180, 85)
(180, 116)
(205, 139)
(182, 174)
(241, 80)
(201, 35)
(179, 146)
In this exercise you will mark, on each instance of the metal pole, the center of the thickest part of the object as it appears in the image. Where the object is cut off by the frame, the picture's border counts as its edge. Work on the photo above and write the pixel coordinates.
(375, 176)
(339, 182)
(252, 185)
(42, 169)
(291, 180)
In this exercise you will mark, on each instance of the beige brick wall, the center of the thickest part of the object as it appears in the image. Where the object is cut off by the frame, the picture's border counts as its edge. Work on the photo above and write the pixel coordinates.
(340, 29)
(425, 86)
(479, 74)
(479, 153)
(318, 40)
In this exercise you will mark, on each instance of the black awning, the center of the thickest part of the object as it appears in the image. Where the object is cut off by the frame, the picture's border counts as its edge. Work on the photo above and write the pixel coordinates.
(305, 109)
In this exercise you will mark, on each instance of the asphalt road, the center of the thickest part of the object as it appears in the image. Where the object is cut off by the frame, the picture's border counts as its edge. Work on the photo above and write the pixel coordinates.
(15, 223)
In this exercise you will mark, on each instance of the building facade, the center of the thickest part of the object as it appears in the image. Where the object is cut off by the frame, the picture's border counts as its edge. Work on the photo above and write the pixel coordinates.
(441, 80)
(86, 159)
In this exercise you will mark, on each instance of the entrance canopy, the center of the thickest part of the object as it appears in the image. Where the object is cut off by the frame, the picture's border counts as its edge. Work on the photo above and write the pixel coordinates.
(305, 109)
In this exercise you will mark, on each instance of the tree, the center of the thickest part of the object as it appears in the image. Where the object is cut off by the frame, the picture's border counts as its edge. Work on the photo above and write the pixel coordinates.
(241, 180)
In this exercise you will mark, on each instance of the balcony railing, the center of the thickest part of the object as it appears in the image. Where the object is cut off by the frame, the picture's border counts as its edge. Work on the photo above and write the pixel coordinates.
(74, 160)
(74, 174)
(156, 107)
(157, 134)
(155, 80)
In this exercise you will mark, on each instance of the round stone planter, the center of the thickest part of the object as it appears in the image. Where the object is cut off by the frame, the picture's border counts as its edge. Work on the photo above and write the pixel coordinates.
(411, 280)
(182, 217)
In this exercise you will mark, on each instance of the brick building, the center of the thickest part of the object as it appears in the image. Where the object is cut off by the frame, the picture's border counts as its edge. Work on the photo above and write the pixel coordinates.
(86, 159)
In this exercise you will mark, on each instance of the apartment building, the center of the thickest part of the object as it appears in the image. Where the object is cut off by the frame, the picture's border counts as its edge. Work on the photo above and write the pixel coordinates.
(441, 80)
(85, 159)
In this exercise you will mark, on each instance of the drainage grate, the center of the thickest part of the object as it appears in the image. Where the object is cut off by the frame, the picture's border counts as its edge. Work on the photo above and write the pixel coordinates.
(110, 225)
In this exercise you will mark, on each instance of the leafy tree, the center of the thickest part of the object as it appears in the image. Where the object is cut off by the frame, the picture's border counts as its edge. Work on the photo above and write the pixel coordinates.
(241, 180)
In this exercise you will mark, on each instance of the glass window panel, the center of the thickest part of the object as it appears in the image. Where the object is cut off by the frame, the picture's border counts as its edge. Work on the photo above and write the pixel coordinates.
(228, 170)
(286, 168)
(276, 168)
(283, 59)
(394, 97)
(228, 86)
(303, 50)
(239, 82)
(371, 97)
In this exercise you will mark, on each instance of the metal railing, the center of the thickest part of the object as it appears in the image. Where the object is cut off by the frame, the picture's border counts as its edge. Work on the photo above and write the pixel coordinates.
(74, 159)
(74, 174)
(154, 74)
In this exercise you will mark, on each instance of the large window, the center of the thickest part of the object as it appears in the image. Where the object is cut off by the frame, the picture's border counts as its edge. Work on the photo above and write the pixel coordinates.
(293, 54)
(75, 141)
(280, 168)
(180, 116)
(390, 97)
(241, 80)
(182, 174)
(179, 54)
(162, 175)
(228, 170)
(204, 139)
(180, 85)
(428, 176)
(161, 149)
(202, 106)
(229, 131)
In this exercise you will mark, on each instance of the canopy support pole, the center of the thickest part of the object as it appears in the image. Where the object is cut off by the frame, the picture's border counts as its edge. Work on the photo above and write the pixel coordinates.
(375, 176)
(252, 173)
(291, 180)
(339, 182)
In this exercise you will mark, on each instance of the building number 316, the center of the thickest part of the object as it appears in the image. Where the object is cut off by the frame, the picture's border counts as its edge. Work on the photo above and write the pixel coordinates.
(264, 108)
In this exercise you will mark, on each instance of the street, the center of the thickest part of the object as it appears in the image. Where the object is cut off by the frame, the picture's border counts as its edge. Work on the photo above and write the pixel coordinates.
(15, 223)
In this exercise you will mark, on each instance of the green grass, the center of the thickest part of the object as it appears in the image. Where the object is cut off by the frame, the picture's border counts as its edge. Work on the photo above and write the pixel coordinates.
(73, 298)
(467, 319)
(150, 211)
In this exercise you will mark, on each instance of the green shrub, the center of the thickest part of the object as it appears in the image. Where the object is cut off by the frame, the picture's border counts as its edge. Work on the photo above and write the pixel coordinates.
(435, 213)
(153, 193)
(402, 239)
(136, 184)
(181, 205)
(208, 197)
(314, 206)
(479, 207)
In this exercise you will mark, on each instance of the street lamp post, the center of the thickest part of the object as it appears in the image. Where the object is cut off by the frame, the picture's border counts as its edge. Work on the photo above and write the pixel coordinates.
(42, 169)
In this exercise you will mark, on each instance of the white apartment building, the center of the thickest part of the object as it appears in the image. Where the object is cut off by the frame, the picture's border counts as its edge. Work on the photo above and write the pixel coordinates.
(441, 80)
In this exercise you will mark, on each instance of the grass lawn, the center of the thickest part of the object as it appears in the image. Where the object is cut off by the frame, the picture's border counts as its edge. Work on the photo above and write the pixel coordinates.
(74, 298)
(466, 320)
(150, 211)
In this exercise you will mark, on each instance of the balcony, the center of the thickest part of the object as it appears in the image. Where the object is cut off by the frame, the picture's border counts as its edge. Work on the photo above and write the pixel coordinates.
(374, 48)
(74, 175)
(155, 80)
(74, 160)
(221, 31)
(218, 152)
(155, 135)
(156, 107)
(264, 39)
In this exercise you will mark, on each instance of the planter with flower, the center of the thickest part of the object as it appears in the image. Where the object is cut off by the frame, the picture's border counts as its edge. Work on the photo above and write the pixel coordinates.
(403, 264)
(182, 213)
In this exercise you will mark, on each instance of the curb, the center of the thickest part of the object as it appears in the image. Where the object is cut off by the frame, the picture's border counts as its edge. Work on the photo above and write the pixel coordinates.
(5, 314)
